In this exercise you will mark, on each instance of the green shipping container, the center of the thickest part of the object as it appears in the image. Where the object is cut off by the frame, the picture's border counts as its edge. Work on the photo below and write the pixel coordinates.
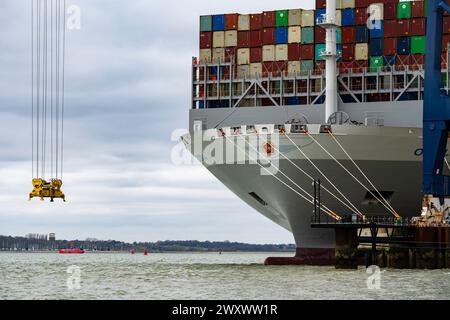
(404, 10)
(306, 66)
(319, 49)
(307, 35)
(205, 23)
(418, 45)
(338, 36)
(376, 63)
(282, 18)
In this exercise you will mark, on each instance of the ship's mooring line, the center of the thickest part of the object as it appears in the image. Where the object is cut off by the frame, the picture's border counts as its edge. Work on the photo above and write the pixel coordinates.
(363, 174)
(352, 207)
(323, 207)
(351, 174)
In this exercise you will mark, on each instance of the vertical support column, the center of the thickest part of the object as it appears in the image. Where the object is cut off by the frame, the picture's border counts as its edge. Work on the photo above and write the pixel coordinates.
(330, 44)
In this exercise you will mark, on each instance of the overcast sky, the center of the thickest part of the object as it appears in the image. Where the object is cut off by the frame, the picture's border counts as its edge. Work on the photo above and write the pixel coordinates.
(127, 90)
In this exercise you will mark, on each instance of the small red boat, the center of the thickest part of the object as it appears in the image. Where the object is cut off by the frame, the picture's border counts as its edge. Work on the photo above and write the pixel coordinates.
(71, 251)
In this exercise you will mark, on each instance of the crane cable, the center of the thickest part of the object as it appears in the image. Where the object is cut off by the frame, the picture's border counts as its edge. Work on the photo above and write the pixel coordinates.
(351, 174)
(349, 204)
(48, 43)
(323, 207)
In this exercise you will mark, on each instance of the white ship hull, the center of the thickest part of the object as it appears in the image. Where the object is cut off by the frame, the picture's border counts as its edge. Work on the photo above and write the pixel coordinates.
(389, 156)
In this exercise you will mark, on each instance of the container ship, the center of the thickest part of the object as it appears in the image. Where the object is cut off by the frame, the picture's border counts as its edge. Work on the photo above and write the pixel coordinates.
(338, 90)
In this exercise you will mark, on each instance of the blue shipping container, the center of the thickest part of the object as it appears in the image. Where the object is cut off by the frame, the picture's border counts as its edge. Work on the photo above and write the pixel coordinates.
(281, 35)
(376, 47)
(348, 17)
(403, 45)
(377, 29)
(361, 34)
(389, 60)
(320, 14)
(292, 101)
(219, 22)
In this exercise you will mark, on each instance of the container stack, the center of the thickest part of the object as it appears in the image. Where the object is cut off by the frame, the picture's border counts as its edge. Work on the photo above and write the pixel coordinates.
(374, 34)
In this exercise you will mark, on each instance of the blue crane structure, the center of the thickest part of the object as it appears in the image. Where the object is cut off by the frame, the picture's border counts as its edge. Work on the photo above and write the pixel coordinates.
(436, 107)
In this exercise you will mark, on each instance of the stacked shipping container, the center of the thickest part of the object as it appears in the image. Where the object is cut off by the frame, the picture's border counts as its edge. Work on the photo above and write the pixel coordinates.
(373, 34)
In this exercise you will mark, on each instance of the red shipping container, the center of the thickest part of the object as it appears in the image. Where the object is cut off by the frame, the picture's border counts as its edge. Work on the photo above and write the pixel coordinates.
(243, 39)
(256, 38)
(255, 55)
(418, 27)
(348, 52)
(389, 46)
(390, 10)
(231, 21)
(321, 4)
(445, 40)
(348, 34)
(390, 28)
(205, 40)
(359, 66)
(256, 21)
(319, 34)
(320, 65)
(294, 51)
(403, 60)
(361, 16)
(361, 3)
(269, 19)
(307, 52)
(418, 59)
(230, 54)
(268, 36)
(403, 27)
(446, 25)
(418, 9)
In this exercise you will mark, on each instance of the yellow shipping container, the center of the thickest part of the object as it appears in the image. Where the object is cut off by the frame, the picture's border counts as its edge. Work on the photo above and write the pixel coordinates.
(294, 68)
(281, 52)
(205, 56)
(255, 70)
(295, 17)
(231, 38)
(294, 34)
(338, 17)
(218, 55)
(376, 11)
(219, 39)
(361, 51)
(268, 53)
(243, 56)
(244, 22)
(308, 18)
(348, 4)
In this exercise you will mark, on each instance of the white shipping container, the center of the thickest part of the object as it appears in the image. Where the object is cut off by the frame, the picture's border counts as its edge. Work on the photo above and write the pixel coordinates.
(205, 56)
(256, 70)
(308, 18)
(295, 17)
(281, 52)
(376, 11)
(348, 4)
(338, 4)
(243, 56)
(218, 55)
(244, 22)
(338, 17)
(243, 71)
(219, 39)
(294, 68)
(294, 34)
(361, 51)
(231, 38)
(268, 53)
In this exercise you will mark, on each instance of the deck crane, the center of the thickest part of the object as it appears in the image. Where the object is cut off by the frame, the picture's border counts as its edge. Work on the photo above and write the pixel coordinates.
(48, 38)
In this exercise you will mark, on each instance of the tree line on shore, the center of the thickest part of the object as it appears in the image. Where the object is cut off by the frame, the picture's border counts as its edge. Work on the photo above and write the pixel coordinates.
(42, 243)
